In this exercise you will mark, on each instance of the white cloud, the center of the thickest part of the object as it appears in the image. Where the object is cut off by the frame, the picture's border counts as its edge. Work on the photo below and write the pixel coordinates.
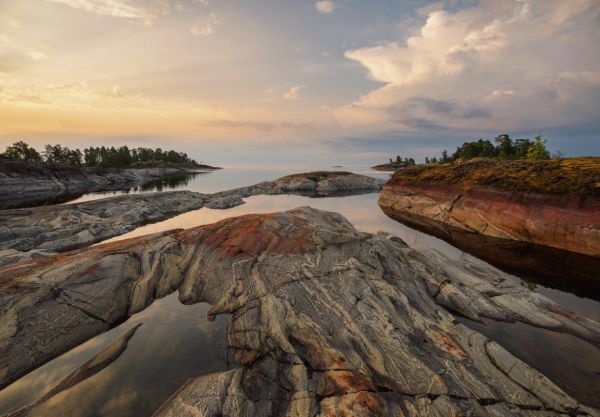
(497, 65)
(293, 92)
(325, 6)
(114, 8)
(205, 26)
(36, 55)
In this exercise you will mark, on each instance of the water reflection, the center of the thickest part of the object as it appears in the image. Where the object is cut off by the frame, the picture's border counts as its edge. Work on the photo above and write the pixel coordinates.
(176, 342)
(571, 363)
(563, 357)
(225, 179)
(170, 183)
(568, 271)
(364, 213)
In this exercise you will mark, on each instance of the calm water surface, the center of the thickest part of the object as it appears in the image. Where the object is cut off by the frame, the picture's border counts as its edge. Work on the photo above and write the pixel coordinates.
(176, 342)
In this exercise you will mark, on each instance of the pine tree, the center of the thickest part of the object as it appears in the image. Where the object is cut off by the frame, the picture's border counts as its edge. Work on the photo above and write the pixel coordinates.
(537, 151)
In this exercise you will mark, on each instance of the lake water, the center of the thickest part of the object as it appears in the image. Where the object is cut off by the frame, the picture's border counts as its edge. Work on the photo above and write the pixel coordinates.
(176, 342)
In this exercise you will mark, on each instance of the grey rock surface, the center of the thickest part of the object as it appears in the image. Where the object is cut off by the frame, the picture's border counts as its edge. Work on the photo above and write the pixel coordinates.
(325, 320)
(39, 231)
(23, 185)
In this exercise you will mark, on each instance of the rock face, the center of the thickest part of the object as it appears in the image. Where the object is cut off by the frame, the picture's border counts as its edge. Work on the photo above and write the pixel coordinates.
(551, 267)
(569, 222)
(24, 184)
(325, 320)
(37, 232)
(327, 183)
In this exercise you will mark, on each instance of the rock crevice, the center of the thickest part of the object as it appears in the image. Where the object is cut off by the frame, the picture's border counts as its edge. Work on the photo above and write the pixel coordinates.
(304, 345)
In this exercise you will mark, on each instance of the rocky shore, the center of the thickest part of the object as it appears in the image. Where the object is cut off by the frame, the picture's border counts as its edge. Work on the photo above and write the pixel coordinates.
(549, 203)
(23, 184)
(537, 264)
(325, 320)
(40, 231)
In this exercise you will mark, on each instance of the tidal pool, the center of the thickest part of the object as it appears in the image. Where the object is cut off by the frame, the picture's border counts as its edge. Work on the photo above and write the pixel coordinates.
(175, 342)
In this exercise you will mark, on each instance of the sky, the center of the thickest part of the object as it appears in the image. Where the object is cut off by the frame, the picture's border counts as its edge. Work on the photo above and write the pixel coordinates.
(239, 82)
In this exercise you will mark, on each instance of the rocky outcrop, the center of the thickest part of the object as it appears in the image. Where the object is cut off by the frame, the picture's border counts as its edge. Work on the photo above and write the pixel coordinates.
(325, 320)
(37, 232)
(477, 197)
(327, 183)
(537, 264)
(23, 184)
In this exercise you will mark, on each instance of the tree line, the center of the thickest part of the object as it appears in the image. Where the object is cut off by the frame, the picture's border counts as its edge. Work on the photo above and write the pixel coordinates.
(503, 148)
(102, 157)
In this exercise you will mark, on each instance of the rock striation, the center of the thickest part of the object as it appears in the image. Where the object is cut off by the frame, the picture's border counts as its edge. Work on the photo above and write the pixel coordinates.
(37, 232)
(325, 320)
(23, 184)
(549, 203)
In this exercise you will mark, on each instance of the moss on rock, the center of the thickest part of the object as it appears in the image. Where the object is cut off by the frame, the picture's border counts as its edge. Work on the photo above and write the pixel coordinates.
(570, 176)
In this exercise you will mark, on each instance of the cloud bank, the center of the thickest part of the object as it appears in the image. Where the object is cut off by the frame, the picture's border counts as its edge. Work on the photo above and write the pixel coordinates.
(497, 66)
(325, 6)
(113, 8)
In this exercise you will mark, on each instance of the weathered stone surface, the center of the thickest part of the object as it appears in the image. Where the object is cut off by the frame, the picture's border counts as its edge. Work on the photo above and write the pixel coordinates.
(325, 183)
(37, 232)
(23, 184)
(565, 221)
(325, 320)
(535, 263)
(86, 370)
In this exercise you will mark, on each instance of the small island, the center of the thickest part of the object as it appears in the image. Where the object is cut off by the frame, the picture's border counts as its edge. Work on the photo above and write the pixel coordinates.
(552, 203)
(505, 148)
(59, 174)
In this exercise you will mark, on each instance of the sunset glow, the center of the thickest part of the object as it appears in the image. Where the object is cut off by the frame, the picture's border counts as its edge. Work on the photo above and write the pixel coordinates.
(360, 78)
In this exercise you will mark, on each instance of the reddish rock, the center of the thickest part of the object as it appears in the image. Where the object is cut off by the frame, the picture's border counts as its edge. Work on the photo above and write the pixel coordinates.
(325, 320)
(566, 222)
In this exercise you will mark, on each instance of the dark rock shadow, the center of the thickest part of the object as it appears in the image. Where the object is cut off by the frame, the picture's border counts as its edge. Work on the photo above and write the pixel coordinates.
(566, 271)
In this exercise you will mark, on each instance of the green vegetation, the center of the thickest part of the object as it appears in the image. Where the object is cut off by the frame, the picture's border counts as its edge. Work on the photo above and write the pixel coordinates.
(21, 151)
(570, 176)
(102, 157)
(504, 148)
(399, 162)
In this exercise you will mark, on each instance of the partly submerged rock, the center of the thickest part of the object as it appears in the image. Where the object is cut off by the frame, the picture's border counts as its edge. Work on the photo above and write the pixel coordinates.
(550, 203)
(35, 232)
(25, 184)
(326, 182)
(86, 370)
(550, 267)
(325, 320)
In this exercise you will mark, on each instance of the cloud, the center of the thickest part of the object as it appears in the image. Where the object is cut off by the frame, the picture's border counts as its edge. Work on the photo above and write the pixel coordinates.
(114, 8)
(205, 26)
(14, 56)
(293, 92)
(498, 65)
(325, 6)
(36, 55)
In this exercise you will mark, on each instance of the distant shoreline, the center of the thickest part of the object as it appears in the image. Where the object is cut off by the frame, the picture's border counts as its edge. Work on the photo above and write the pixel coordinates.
(30, 184)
